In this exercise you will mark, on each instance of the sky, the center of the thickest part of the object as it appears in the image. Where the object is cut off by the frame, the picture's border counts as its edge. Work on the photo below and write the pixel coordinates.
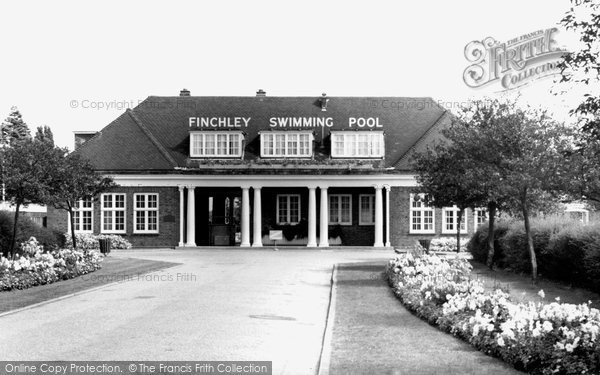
(75, 65)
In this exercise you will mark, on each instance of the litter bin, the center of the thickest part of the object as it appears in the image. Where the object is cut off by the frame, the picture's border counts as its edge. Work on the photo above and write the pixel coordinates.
(425, 244)
(104, 246)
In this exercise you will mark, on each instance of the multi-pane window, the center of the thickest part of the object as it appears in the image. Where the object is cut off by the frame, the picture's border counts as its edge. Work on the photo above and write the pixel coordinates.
(286, 144)
(220, 144)
(450, 220)
(83, 216)
(367, 209)
(340, 209)
(362, 144)
(112, 212)
(288, 209)
(421, 215)
(145, 213)
(479, 217)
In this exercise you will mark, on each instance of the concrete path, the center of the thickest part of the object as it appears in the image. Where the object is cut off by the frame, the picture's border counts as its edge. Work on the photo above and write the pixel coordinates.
(216, 305)
(374, 334)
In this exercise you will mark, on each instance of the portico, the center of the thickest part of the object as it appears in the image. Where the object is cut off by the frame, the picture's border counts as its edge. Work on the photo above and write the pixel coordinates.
(316, 201)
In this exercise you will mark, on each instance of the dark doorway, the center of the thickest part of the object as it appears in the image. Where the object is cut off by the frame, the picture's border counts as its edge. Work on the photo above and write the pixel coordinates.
(218, 215)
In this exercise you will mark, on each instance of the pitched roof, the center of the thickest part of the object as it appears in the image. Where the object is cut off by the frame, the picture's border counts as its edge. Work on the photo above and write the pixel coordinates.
(154, 136)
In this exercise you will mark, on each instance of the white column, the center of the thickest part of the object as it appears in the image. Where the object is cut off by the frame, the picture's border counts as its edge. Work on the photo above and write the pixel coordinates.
(245, 217)
(181, 217)
(191, 217)
(312, 217)
(257, 240)
(378, 217)
(324, 219)
(387, 216)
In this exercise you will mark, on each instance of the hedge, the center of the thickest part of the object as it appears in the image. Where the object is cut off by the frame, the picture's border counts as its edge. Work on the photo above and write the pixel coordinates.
(566, 250)
(26, 228)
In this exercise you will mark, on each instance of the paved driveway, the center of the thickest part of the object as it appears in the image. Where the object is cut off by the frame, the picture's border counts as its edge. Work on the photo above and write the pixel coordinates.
(218, 305)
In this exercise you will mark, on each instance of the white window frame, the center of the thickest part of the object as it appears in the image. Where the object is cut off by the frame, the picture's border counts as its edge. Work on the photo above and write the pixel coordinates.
(422, 209)
(198, 144)
(339, 209)
(288, 211)
(269, 138)
(146, 211)
(371, 209)
(452, 214)
(353, 140)
(112, 211)
(78, 217)
(476, 215)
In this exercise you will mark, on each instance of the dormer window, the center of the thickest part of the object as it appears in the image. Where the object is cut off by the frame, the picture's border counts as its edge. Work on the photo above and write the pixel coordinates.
(286, 144)
(216, 144)
(357, 144)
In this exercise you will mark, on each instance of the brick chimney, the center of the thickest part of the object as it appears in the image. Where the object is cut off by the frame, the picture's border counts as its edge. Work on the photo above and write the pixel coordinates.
(184, 92)
(324, 99)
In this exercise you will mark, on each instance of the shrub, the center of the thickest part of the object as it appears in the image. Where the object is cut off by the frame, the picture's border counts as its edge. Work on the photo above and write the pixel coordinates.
(538, 338)
(36, 267)
(566, 251)
(89, 241)
(26, 228)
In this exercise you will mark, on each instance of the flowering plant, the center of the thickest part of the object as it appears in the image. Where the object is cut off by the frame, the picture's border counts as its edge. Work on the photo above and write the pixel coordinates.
(89, 241)
(447, 244)
(36, 267)
(540, 338)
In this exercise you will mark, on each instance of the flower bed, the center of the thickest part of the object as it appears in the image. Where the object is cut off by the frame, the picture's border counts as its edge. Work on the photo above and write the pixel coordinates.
(35, 267)
(447, 244)
(88, 241)
(554, 338)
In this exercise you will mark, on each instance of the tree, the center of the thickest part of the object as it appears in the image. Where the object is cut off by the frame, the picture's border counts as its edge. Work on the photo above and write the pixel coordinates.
(442, 176)
(74, 179)
(583, 66)
(522, 151)
(27, 167)
(474, 130)
(502, 156)
(44, 134)
(14, 129)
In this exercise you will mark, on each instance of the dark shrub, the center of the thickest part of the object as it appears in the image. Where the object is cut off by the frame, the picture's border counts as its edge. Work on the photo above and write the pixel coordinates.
(566, 250)
(26, 228)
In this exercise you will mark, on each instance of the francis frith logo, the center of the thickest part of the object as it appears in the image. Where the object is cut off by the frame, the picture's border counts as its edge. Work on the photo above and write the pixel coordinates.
(514, 63)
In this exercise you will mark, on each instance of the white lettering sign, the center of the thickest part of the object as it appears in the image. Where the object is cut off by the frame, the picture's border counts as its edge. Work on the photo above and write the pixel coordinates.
(218, 122)
(300, 122)
(361, 122)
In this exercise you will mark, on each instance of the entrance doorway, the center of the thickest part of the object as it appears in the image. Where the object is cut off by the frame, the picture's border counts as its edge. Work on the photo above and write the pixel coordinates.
(218, 218)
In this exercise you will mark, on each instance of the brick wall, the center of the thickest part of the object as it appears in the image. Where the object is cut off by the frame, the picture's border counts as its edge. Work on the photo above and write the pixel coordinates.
(168, 217)
(400, 235)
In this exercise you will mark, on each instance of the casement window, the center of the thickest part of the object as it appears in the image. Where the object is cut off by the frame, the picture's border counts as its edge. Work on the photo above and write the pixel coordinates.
(216, 144)
(450, 220)
(480, 216)
(288, 209)
(286, 144)
(145, 213)
(367, 209)
(357, 144)
(340, 209)
(112, 212)
(83, 216)
(422, 217)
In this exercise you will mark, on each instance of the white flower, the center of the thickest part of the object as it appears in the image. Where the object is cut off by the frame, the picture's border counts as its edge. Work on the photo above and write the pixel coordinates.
(547, 326)
(541, 293)
(500, 341)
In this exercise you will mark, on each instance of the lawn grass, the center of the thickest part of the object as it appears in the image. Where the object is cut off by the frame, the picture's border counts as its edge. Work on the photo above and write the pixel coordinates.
(373, 333)
(522, 289)
(113, 269)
